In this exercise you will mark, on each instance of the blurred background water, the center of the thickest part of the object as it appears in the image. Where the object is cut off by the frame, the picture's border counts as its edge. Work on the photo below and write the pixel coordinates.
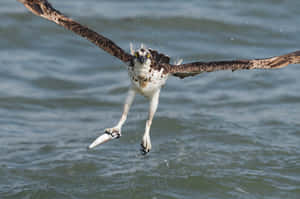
(216, 135)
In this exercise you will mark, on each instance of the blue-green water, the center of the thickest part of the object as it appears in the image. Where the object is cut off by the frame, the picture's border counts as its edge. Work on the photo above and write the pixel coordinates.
(217, 135)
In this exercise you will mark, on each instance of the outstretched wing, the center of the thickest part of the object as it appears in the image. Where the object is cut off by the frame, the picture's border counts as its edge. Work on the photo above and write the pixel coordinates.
(44, 9)
(191, 69)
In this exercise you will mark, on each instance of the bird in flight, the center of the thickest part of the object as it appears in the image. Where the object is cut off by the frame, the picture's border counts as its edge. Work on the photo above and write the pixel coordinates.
(148, 69)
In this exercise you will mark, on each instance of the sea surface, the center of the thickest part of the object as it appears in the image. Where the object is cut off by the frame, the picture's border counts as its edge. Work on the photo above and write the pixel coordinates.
(219, 135)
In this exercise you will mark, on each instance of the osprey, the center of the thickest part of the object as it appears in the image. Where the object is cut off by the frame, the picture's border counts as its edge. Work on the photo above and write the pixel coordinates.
(148, 69)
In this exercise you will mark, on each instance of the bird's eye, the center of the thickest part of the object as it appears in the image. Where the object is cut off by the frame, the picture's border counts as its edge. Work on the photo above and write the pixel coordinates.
(136, 54)
(148, 55)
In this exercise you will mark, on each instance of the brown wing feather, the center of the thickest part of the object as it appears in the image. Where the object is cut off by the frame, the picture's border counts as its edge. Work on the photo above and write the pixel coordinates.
(159, 58)
(191, 69)
(44, 9)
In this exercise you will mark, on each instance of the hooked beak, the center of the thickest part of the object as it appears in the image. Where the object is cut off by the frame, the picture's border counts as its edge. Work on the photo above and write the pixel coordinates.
(104, 138)
(141, 59)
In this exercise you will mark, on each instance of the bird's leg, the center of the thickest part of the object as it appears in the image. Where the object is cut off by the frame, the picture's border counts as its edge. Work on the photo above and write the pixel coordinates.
(115, 132)
(127, 105)
(146, 142)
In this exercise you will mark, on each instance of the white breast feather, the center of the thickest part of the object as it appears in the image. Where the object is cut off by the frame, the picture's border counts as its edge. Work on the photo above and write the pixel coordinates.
(146, 80)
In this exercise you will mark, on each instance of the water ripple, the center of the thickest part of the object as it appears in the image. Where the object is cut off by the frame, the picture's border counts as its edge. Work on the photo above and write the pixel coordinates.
(216, 135)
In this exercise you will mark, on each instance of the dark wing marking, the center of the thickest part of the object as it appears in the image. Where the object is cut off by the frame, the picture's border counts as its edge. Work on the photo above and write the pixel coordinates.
(44, 9)
(159, 58)
(191, 69)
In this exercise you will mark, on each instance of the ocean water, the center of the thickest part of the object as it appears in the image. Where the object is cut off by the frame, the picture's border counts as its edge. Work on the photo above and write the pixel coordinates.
(215, 135)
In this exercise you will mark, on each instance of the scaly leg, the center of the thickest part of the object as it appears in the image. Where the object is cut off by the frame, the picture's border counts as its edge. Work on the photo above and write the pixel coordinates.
(127, 105)
(146, 142)
(115, 132)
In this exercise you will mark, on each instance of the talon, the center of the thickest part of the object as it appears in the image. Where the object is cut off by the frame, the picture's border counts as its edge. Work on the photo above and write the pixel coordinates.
(146, 144)
(144, 150)
(109, 134)
(115, 134)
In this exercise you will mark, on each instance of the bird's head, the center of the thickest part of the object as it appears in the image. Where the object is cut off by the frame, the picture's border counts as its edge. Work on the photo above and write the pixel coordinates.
(142, 56)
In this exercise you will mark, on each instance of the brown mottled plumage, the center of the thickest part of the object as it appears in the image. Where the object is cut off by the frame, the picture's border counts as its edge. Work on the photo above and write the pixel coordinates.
(191, 69)
(44, 9)
(148, 69)
(158, 60)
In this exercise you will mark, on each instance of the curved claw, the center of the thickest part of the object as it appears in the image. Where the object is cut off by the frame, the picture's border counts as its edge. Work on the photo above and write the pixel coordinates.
(144, 151)
(146, 144)
(107, 136)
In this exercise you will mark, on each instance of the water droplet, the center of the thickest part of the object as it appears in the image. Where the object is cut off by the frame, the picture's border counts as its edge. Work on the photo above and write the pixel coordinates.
(167, 163)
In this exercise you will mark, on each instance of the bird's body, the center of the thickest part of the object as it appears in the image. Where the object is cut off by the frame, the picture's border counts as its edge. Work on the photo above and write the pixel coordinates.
(145, 79)
(146, 83)
(149, 70)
